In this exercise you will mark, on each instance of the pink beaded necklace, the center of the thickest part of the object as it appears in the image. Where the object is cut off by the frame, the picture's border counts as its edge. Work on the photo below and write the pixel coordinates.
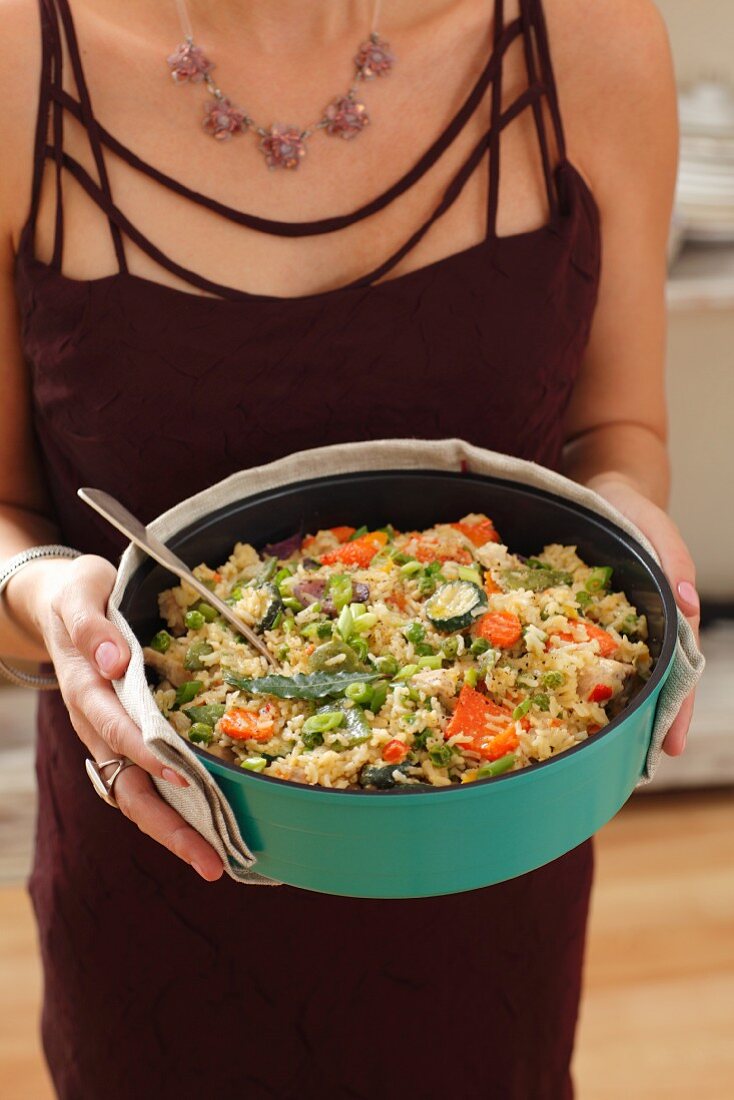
(282, 144)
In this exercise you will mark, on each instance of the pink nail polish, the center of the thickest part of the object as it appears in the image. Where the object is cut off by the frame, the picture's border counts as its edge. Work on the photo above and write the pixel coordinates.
(689, 595)
(173, 777)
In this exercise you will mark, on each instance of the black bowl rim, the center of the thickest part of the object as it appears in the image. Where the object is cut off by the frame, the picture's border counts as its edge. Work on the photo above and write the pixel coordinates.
(660, 669)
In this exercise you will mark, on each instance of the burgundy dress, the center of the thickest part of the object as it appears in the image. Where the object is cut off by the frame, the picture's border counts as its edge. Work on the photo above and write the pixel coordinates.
(158, 984)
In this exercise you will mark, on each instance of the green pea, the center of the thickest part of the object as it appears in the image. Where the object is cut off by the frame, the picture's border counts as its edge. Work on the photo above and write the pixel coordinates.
(426, 586)
(497, 767)
(415, 632)
(522, 708)
(197, 650)
(194, 620)
(161, 641)
(541, 701)
(450, 647)
(553, 679)
(200, 733)
(386, 665)
(187, 692)
(479, 646)
(583, 598)
(423, 649)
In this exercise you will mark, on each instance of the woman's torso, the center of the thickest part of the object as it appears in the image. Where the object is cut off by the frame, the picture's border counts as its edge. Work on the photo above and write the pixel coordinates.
(154, 391)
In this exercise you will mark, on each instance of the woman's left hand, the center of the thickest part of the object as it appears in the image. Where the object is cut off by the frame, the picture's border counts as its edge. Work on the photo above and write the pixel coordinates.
(677, 563)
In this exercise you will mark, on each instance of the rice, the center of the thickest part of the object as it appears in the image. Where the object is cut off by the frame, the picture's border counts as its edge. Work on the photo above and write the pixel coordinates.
(467, 660)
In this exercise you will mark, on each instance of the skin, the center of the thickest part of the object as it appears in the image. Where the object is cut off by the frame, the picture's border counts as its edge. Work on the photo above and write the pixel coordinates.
(618, 108)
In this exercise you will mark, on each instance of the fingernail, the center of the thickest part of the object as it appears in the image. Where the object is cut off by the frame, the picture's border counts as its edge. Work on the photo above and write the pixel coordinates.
(199, 871)
(107, 656)
(689, 595)
(173, 777)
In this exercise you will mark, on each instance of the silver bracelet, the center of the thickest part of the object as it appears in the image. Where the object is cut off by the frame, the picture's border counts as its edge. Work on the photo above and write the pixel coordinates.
(38, 681)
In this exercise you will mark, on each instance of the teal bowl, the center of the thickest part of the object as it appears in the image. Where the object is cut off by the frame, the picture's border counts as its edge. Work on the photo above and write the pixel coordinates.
(402, 844)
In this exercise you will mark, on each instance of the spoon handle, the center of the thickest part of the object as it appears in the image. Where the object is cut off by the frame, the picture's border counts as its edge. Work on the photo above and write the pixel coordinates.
(116, 514)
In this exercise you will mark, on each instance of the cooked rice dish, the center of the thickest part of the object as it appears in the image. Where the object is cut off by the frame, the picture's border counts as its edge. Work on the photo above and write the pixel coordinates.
(429, 657)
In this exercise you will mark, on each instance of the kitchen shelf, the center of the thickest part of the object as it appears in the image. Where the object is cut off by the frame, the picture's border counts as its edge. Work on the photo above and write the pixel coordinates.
(702, 278)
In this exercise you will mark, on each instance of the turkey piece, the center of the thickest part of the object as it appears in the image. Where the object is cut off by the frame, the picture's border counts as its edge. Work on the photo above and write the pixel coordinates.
(605, 672)
(167, 666)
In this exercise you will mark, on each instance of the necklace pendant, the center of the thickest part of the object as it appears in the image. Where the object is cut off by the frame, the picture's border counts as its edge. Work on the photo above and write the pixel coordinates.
(222, 119)
(374, 58)
(283, 146)
(345, 117)
(189, 64)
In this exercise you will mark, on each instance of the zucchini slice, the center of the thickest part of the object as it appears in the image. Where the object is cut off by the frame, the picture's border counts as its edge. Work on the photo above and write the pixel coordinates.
(455, 605)
(272, 608)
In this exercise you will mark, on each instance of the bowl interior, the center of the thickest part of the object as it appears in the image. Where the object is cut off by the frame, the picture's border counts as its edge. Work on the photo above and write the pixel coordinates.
(526, 518)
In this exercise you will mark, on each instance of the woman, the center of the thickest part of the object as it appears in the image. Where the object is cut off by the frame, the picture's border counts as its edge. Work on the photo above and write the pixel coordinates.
(155, 339)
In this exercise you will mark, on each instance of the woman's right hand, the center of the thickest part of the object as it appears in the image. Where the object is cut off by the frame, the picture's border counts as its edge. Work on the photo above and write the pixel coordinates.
(70, 602)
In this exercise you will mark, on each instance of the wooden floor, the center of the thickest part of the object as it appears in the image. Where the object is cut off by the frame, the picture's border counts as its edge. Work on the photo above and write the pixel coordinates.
(658, 1015)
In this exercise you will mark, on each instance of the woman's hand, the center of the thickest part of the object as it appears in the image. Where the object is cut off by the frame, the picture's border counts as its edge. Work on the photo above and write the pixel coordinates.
(676, 561)
(70, 601)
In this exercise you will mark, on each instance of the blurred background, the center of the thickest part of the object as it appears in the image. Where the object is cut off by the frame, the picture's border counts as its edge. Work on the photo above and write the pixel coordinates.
(658, 1015)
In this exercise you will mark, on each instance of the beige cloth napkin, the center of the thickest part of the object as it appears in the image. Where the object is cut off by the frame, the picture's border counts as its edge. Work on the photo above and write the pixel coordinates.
(202, 803)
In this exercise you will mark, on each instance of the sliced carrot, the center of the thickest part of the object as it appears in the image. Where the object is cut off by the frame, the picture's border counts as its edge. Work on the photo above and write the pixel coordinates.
(502, 628)
(358, 552)
(607, 644)
(245, 725)
(490, 584)
(478, 533)
(480, 722)
(492, 748)
(395, 751)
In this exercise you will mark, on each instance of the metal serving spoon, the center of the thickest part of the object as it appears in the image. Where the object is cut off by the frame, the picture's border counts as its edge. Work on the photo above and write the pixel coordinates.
(116, 514)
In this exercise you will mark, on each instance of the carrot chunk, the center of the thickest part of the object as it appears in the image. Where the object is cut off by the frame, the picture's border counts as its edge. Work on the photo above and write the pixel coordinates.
(244, 725)
(607, 644)
(359, 552)
(484, 726)
(502, 628)
(490, 584)
(342, 533)
(478, 533)
(395, 751)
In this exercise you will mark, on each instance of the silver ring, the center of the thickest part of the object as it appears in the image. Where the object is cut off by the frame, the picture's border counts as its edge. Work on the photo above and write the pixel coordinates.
(103, 786)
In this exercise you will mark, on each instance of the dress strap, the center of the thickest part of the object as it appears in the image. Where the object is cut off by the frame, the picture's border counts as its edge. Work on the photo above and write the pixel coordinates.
(495, 129)
(90, 124)
(546, 72)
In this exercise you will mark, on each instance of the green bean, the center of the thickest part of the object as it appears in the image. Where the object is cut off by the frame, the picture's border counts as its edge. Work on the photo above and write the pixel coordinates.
(426, 586)
(283, 574)
(358, 533)
(479, 646)
(254, 763)
(200, 733)
(522, 709)
(292, 603)
(410, 567)
(471, 676)
(194, 620)
(288, 625)
(434, 661)
(359, 693)
(187, 692)
(326, 720)
(161, 641)
(210, 613)
(208, 713)
(365, 622)
(497, 767)
(322, 629)
(583, 598)
(599, 578)
(341, 590)
(406, 672)
(379, 695)
(470, 573)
